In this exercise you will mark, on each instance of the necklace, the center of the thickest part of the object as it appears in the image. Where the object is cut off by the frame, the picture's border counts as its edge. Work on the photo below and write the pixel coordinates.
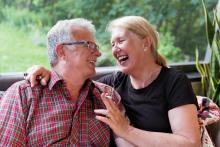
(152, 77)
(138, 84)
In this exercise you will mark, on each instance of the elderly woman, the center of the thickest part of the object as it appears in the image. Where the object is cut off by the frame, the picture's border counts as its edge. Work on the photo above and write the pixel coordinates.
(159, 101)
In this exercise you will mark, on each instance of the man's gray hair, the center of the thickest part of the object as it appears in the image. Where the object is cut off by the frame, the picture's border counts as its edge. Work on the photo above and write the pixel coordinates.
(62, 32)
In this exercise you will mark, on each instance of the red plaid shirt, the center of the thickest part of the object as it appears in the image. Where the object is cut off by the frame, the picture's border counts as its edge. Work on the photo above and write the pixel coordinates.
(45, 116)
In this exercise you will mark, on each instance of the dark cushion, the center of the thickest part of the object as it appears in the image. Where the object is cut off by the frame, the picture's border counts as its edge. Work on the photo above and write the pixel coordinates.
(6, 80)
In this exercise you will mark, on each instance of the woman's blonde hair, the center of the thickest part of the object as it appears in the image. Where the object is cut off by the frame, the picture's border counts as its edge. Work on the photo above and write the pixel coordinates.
(141, 27)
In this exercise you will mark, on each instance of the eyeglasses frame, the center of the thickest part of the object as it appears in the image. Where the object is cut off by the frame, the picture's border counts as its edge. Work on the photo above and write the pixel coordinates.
(89, 44)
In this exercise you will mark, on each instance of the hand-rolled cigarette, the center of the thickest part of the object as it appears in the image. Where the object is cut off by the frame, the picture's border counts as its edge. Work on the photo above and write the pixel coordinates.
(109, 97)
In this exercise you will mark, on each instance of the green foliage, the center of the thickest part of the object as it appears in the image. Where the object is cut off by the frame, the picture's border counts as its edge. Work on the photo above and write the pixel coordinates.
(106, 59)
(168, 49)
(19, 52)
(21, 19)
(210, 73)
(173, 20)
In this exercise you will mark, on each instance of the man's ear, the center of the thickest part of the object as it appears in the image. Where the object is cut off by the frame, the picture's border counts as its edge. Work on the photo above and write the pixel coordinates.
(59, 51)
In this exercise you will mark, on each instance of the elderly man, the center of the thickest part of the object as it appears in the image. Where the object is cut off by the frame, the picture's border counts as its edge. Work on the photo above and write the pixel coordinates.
(62, 112)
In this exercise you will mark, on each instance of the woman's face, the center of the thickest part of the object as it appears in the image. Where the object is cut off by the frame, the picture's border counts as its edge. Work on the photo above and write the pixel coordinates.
(128, 49)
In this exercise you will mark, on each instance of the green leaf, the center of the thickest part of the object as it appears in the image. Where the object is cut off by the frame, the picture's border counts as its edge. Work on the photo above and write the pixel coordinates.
(210, 28)
(216, 19)
(198, 65)
(202, 70)
(216, 96)
(216, 48)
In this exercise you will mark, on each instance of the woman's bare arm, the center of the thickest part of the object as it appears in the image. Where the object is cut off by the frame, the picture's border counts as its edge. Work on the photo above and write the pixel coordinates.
(183, 120)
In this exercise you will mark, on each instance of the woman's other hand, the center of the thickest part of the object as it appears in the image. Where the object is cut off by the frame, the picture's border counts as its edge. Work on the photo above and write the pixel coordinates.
(37, 73)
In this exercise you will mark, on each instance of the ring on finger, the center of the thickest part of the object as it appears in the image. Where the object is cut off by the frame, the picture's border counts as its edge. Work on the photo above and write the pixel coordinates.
(108, 117)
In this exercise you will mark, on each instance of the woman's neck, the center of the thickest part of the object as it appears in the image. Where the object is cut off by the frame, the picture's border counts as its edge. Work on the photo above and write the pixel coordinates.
(145, 76)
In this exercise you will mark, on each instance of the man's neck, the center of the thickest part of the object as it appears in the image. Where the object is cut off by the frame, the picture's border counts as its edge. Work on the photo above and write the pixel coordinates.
(74, 82)
(74, 90)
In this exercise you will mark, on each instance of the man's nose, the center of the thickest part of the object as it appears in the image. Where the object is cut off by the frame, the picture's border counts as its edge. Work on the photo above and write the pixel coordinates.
(98, 53)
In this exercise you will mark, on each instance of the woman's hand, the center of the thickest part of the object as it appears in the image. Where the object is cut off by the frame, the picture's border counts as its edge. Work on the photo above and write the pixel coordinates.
(113, 117)
(37, 73)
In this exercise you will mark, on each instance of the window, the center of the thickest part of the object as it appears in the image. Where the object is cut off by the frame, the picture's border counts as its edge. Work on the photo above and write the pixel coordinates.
(181, 25)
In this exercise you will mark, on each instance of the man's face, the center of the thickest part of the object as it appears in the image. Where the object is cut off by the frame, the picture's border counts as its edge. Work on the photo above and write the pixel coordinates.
(81, 55)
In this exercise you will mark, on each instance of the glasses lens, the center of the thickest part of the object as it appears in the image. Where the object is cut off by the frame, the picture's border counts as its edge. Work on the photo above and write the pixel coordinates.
(93, 46)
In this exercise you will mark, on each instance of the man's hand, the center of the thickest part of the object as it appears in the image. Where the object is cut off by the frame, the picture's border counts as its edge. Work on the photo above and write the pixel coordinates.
(37, 73)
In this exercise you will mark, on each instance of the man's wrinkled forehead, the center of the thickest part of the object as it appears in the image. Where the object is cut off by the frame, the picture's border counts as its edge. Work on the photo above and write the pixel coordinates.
(81, 33)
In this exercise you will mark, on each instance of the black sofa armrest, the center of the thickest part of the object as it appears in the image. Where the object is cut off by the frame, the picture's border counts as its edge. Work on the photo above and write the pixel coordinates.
(7, 79)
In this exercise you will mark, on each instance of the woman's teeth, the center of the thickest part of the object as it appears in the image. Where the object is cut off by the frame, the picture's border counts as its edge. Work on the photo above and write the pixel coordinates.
(122, 58)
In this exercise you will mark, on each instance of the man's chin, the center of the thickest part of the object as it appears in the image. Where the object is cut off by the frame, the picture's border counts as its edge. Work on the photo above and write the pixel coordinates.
(92, 73)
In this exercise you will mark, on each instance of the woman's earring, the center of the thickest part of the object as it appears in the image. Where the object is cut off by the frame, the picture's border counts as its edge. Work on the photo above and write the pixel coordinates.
(145, 49)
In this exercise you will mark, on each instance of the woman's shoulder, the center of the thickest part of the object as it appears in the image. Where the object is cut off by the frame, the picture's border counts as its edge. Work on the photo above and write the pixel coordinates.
(110, 79)
(117, 74)
(172, 73)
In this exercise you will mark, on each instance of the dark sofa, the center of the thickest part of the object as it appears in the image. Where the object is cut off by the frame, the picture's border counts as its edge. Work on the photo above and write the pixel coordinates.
(8, 79)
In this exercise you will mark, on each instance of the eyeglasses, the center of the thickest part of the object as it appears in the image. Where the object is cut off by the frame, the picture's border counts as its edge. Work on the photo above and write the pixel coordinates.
(89, 44)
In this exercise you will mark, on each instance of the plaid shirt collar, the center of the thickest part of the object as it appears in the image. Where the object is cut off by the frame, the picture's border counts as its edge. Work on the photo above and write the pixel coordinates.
(57, 81)
(54, 78)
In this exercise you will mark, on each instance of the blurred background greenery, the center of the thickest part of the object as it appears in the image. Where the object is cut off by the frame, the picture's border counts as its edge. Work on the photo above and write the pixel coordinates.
(24, 24)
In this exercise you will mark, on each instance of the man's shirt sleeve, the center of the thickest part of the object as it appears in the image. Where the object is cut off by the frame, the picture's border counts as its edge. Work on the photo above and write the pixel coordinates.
(12, 117)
